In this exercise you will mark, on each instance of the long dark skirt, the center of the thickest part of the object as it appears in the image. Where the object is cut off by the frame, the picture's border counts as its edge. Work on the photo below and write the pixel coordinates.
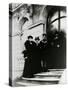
(36, 65)
(27, 72)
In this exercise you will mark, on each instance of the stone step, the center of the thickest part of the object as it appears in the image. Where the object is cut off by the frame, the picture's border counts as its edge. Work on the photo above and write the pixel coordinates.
(56, 70)
(26, 83)
(49, 74)
(41, 79)
(44, 78)
(37, 81)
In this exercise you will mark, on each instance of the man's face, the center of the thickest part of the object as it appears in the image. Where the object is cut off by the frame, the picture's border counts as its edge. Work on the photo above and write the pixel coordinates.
(44, 37)
(30, 39)
(37, 41)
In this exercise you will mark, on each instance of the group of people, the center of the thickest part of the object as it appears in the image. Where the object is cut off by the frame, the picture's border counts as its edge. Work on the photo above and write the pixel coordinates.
(38, 54)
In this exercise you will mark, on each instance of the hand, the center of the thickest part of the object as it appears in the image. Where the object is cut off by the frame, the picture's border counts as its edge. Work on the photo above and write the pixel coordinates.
(25, 57)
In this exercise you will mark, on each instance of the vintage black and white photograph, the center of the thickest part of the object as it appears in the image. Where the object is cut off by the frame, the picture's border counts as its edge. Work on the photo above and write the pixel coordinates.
(37, 44)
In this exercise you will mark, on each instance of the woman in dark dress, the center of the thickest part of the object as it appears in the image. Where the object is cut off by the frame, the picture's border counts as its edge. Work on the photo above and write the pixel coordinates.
(29, 60)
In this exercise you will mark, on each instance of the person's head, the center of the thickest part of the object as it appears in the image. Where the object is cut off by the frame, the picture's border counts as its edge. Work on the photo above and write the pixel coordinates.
(30, 38)
(44, 36)
(56, 34)
(37, 39)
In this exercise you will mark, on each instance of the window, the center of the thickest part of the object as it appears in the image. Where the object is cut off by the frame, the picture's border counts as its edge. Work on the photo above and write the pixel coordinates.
(58, 21)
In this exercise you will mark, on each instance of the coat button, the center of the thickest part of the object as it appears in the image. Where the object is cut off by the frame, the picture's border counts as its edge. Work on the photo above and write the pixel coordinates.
(58, 45)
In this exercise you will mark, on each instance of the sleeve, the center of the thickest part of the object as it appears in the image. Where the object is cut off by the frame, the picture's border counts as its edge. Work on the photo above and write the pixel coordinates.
(27, 46)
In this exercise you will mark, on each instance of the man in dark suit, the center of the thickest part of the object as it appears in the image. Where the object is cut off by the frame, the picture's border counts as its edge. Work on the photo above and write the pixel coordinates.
(37, 56)
(44, 49)
(59, 50)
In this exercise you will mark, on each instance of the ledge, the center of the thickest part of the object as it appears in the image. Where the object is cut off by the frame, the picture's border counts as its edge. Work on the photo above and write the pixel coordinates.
(13, 10)
(41, 22)
(36, 24)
